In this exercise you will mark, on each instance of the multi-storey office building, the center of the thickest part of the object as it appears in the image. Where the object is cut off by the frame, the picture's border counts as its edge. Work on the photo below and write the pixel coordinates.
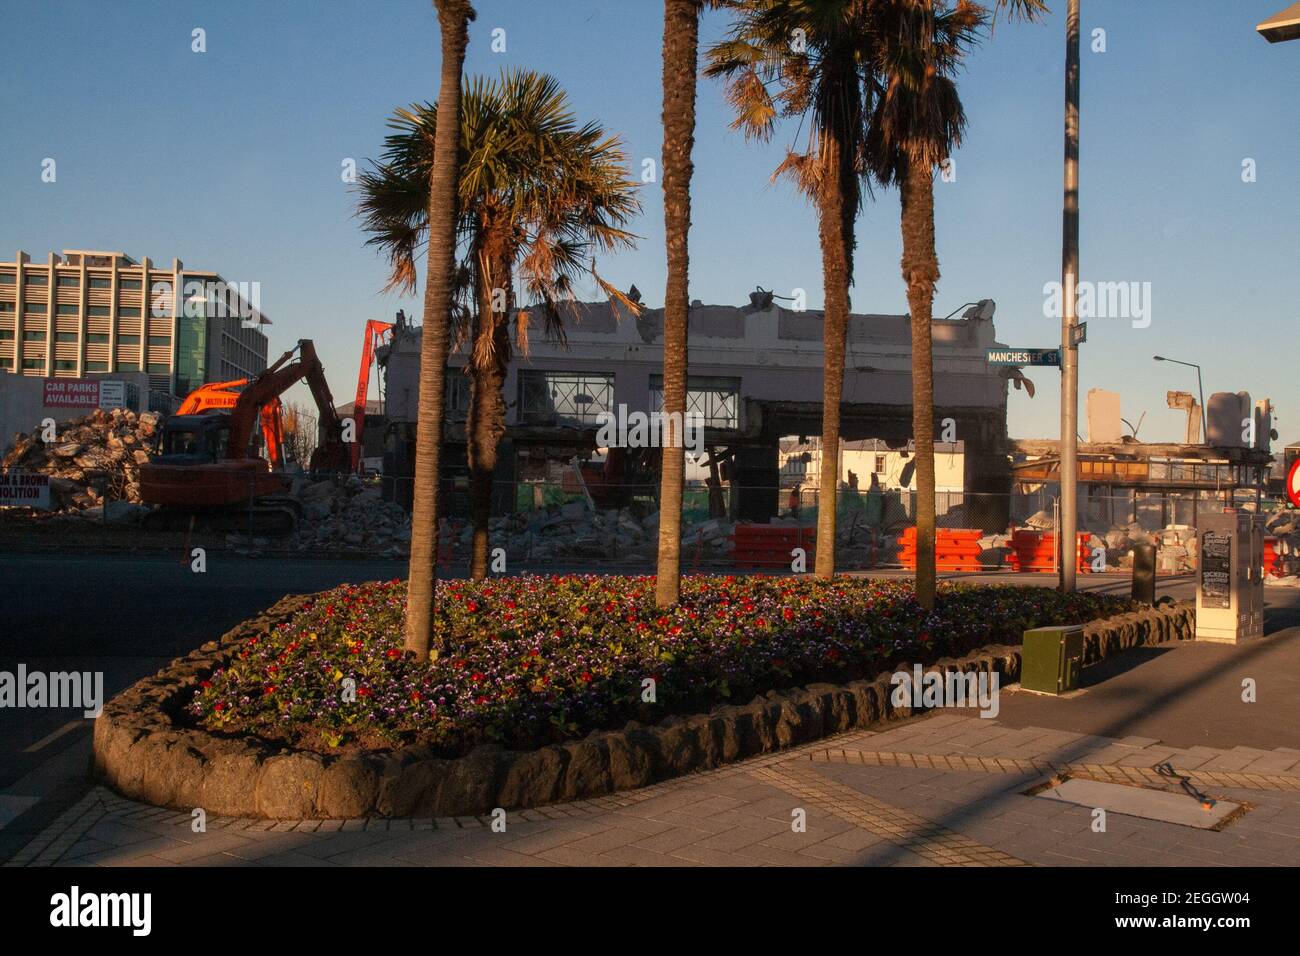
(87, 313)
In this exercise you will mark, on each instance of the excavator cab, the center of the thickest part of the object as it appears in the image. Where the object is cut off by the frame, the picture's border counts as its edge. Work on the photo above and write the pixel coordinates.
(194, 439)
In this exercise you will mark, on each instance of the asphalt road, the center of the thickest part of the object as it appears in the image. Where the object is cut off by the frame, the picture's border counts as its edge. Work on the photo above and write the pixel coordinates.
(126, 616)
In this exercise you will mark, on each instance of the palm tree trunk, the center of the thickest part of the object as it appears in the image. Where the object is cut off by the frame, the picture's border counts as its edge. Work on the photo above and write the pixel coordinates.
(681, 38)
(835, 230)
(921, 272)
(453, 22)
(486, 422)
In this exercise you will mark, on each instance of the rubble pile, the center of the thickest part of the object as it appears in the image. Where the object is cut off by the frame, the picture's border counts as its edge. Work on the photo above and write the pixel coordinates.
(349, 515)
(573, 531)
(91, 458)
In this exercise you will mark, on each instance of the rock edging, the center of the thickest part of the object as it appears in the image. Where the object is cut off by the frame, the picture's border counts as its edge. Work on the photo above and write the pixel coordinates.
(144, 753)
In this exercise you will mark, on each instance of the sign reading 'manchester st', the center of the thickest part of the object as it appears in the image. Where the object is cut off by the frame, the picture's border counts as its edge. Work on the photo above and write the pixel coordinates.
(1024, 357)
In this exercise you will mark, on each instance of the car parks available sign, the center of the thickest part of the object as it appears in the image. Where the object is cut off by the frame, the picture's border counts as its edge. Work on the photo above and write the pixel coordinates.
(72, 393)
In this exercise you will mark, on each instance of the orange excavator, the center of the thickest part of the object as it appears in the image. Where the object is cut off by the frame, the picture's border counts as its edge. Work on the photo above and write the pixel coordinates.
(206, 469)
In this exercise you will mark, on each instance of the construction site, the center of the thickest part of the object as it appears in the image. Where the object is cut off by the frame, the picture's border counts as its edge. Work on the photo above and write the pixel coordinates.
(236, 465)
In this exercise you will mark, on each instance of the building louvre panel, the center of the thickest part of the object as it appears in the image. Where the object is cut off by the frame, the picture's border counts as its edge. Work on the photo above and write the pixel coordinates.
(97, 324)
(96, 353)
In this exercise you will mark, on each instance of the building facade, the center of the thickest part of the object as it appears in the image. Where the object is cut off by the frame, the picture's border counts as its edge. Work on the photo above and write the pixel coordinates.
(90, 312)
(755, 378)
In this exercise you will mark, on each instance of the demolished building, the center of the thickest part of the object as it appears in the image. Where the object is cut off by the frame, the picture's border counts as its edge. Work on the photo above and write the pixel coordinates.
(755, 377)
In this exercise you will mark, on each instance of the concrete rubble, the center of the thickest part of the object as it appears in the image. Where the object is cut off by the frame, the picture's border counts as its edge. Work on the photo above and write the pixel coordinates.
(349, 515)
(90, 458)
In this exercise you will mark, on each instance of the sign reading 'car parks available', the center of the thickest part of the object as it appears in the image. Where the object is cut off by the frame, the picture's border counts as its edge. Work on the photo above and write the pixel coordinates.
(72, 393)
(1024, 357)
(18, 489)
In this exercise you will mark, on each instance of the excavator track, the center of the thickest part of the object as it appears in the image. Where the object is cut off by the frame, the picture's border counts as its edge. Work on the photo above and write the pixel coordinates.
(266, 517)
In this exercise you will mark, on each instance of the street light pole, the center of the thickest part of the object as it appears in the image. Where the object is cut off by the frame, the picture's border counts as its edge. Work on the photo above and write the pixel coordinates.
(1200, 392)
(1067, 539)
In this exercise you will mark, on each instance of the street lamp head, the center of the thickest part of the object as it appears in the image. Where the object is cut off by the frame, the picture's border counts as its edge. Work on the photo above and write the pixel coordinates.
(1281, 26)
(1158, 358)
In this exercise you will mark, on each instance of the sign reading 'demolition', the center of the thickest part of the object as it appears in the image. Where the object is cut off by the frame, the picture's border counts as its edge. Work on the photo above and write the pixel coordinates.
(1024, 357)
(24, 490)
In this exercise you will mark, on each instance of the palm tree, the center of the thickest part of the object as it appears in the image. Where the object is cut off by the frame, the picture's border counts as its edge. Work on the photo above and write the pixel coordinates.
(440, 214)
(681, 41)
(537, 196)
(812, 59)
(917, 121)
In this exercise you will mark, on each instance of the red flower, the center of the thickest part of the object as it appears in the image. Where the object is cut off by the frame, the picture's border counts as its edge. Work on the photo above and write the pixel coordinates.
(476, 677)
(471, 606)
(363, 691)
(393, 653)
(586, 676)
(269, 690)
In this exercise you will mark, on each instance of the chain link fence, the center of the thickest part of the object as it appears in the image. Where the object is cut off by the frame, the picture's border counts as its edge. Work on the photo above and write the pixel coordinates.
(585, 524)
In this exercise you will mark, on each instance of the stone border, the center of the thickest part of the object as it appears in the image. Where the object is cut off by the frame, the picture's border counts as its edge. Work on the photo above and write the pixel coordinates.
(143, 752)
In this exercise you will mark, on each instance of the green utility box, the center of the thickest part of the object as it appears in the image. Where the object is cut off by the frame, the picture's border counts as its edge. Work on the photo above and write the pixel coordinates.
(1052, 659)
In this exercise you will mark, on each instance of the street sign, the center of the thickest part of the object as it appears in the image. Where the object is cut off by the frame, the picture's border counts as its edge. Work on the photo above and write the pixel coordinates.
(1293, 483)
(1024, 357)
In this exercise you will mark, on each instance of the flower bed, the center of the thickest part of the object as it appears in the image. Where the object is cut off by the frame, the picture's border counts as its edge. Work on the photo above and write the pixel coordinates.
(538, 660)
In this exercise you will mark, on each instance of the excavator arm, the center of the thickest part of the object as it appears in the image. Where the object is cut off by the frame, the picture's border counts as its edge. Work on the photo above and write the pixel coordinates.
(260, 399)
(374, 332)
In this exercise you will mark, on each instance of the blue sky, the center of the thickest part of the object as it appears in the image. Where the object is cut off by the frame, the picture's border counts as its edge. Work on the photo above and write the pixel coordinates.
(231, 160)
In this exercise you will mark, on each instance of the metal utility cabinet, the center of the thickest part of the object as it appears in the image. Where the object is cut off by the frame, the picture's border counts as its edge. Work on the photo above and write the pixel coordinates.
(1230, 577)
(1052, 659)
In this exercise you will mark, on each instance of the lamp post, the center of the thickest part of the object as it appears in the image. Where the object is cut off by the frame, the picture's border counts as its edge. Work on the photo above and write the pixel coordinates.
(1200, 392)
(1282, 26)
(1066, 542)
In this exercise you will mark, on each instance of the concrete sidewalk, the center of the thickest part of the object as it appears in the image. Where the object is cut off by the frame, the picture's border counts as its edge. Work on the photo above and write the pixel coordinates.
(1184, 694)
(940, 790)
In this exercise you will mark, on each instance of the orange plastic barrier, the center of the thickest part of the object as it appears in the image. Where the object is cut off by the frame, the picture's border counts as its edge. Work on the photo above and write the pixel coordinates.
(1036, 550)
(1270, 558)
(955, 549)
(769, 546)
